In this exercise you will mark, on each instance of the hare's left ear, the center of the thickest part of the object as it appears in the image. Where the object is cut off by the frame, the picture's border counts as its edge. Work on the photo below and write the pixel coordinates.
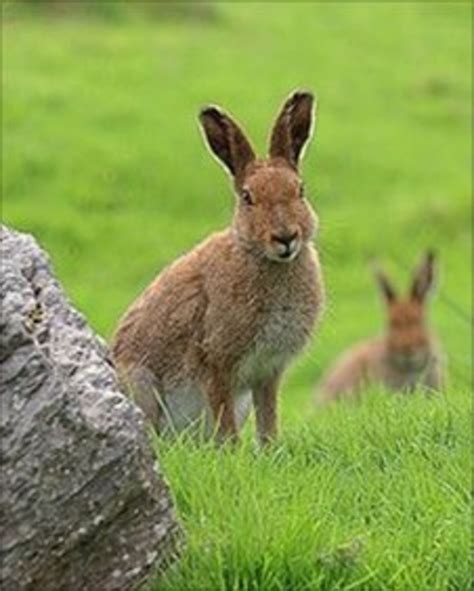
(292, 128)
(384, 283)
(423, 277)
(226, 140)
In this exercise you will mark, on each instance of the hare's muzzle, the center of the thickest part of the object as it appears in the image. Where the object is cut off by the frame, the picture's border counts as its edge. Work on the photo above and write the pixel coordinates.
(286, 246)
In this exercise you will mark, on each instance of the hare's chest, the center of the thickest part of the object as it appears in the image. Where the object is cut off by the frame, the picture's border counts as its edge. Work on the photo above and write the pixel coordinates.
(279, 335)
(288, 318)
(284, 328)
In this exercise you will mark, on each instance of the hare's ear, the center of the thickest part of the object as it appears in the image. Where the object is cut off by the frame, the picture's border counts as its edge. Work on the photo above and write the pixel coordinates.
(385, 284)
(226, 140)
(423, 277)
(292, 128)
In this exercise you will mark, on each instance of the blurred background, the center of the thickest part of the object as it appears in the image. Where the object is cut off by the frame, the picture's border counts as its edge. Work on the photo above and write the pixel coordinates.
(103, 161)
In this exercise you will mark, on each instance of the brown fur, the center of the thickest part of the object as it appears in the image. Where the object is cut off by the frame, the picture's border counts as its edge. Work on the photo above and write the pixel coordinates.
(218, 327)
(407, 355)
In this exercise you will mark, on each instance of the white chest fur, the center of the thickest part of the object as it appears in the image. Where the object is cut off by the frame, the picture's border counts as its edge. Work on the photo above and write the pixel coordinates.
(280, 335)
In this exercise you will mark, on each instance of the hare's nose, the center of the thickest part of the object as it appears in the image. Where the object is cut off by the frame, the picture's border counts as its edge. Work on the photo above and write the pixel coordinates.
(285, 239)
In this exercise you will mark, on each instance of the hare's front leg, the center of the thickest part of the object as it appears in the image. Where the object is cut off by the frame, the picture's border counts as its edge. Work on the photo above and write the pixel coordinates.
(435, 378)
(219, 395)
(265, 403)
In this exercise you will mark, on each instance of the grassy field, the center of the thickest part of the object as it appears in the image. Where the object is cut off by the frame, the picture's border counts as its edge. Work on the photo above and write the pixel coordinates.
(103, 162)
(374, 497)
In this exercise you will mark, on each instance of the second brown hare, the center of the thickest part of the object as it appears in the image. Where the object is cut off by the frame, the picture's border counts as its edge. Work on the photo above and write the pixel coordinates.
(216, 329)
(406, 356)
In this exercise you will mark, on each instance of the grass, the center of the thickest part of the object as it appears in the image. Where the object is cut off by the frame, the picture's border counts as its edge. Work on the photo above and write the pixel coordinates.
(103, 162)
(355, 498)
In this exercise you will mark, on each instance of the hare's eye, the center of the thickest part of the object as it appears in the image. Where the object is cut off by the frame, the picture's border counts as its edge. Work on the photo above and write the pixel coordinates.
(301, 191)
(247, 197)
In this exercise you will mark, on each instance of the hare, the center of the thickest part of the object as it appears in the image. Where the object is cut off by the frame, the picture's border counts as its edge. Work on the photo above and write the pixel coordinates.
(407, 355)
(216, 329)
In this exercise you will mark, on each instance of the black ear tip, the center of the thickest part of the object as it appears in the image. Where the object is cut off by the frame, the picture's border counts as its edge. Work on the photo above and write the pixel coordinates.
(211, 112)
(431, 255)
(300, 95)
(378, 272)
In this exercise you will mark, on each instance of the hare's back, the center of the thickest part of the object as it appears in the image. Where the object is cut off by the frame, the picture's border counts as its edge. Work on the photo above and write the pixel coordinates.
(354, 367)
(159, 325)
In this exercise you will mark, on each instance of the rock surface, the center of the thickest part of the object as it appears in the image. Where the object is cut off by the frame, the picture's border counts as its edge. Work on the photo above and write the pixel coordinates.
(82, 505)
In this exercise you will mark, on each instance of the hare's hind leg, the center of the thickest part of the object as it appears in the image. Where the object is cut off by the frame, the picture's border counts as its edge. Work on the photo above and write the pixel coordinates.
(218, 390)
(141, 387)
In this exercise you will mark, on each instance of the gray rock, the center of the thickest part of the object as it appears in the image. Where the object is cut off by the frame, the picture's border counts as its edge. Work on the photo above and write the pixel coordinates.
(82, 505)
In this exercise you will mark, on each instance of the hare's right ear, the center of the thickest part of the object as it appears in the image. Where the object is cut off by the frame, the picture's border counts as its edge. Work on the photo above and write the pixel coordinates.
(423, 277)
(385, 284)
(226, 140)
(292, 128)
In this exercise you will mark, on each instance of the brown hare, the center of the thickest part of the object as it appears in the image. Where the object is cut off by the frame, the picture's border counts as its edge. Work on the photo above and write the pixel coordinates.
(217, 328)
(407, 355)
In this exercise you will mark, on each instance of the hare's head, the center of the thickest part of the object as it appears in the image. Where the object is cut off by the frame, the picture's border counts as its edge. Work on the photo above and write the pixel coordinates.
(272, 218)
(408, 337)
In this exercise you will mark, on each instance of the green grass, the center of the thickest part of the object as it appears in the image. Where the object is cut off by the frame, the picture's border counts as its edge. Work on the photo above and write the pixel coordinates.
(371, 497)
(103, 162)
